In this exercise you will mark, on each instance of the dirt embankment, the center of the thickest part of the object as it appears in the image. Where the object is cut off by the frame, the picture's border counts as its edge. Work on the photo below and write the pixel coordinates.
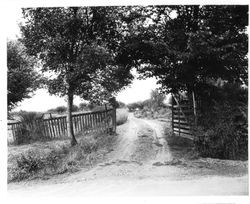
(146, 162)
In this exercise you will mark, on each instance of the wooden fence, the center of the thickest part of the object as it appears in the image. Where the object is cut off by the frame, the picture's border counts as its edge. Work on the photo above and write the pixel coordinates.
(101, 121)
(182, 117)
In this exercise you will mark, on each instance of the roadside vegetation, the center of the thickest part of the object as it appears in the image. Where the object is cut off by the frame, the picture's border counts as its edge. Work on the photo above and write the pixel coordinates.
(222, 130)
(45, 159)
(191, 52)
(31, 131)
(34, 156)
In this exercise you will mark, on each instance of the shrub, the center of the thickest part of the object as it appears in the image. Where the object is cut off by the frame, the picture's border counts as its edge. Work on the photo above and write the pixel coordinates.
(136, 105)
(83, 106)
(75, 108)
(30, 129)
(30, 163)
(98, 108)
(226, 138)
(121, 104)
(60, 109)
(57, 157)
(222, 130)
(63, 109)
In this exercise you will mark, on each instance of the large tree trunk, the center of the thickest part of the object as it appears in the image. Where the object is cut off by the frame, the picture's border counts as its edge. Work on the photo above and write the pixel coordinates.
(69, 119)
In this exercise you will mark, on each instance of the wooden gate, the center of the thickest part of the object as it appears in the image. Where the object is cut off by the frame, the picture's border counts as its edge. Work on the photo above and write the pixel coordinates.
(101, 121)
(182, 116)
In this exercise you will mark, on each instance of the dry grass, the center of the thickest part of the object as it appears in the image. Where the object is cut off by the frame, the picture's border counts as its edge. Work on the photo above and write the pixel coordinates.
(121, 116)
(45, 159)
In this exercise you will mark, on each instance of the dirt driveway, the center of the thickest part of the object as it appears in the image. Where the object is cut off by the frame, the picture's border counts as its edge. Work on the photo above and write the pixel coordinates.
(146, 163)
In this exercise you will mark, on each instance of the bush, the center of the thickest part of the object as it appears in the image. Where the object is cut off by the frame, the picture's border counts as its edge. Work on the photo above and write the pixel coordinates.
(60, 109)
(30, 129)
(75, 108)
(63, 109)
(222, 130)
(121, 104)
(58, 157)
(98, 108)
(83, 106)
(136, 105)
(30, 163)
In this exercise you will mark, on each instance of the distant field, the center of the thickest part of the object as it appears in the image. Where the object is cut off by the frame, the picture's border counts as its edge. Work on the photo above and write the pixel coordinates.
(121, 116)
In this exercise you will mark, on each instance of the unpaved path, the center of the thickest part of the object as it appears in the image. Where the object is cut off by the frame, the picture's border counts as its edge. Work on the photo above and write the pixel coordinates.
(143, 164)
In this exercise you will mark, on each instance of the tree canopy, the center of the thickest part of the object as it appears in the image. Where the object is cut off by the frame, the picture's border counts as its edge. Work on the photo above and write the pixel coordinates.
(184, 46)
(22, 78)
(79, 45)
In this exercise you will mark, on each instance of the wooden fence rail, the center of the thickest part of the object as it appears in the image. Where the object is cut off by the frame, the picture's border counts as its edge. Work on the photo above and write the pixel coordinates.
(100, 121)
(182, 116)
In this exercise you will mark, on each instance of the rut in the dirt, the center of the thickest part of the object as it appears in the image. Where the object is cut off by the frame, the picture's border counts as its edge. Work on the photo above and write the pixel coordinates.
(140, 142)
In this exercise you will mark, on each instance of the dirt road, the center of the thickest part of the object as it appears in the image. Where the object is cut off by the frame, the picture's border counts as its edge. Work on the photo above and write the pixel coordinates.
(144, 164)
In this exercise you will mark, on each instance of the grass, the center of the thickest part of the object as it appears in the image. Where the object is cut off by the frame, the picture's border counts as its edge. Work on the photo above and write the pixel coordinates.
(45, 159)
(121, 116)
(29, 130)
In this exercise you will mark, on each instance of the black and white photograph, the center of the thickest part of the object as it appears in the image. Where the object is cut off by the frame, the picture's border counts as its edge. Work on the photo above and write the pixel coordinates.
(126, 100)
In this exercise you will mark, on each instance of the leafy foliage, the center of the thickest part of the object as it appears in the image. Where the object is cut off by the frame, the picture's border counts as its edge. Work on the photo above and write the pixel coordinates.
(59, 109)
(184, 46)
(79, 45)
(223, 125)
(22, 79)
(83, 106)
(52, 158)
(155, 102)
(30, 129)
(157, 99)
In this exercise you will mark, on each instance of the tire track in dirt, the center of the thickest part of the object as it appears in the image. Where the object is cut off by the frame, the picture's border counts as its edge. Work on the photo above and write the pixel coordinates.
(141, 141)
(163, 153)
(139, 145)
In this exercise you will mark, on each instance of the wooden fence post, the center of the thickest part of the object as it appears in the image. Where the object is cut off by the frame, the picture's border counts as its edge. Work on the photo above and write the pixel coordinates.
(195, 109)
(179, 115)
(172, 113)
(114, 119)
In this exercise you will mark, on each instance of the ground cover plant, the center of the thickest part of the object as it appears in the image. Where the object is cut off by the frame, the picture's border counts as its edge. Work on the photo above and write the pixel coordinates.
(29, 130)
(222, 130)
(45, 159)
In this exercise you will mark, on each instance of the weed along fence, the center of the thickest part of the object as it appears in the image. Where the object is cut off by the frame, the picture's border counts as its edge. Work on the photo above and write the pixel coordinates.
(182, 117)
(101, 121)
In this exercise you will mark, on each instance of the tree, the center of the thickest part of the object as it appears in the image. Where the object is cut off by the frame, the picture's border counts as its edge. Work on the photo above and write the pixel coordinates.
(156, 99)
(79, 45)
(22, 79)
(186, 46)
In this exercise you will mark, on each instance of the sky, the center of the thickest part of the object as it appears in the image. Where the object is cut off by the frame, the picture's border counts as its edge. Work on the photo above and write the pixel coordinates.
(139, 90)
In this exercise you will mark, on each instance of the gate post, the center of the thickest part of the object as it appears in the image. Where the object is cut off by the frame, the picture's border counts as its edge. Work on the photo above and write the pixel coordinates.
(195, 109)
(114, 120)
(172, 112)
(179, 115)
